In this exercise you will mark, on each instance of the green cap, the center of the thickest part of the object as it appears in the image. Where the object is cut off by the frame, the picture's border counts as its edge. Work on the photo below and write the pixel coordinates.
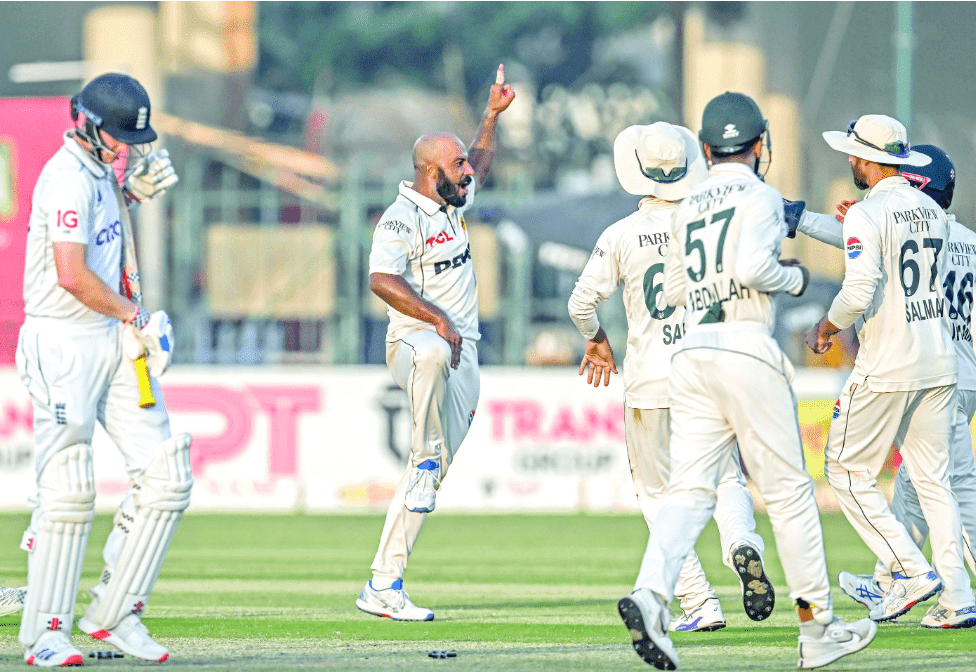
(731, 122)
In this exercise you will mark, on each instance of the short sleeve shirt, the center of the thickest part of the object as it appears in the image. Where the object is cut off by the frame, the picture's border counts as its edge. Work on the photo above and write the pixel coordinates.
(428, 246)
(75, 201)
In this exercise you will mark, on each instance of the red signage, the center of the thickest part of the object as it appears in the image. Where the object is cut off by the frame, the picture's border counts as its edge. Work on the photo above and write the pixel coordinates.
(30, 133)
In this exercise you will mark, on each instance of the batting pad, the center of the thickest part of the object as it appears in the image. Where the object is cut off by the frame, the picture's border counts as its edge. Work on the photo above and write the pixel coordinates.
(161, 495)
(57, 540)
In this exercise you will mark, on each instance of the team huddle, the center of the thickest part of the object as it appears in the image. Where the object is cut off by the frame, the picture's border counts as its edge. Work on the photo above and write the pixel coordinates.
(907, 289)
(707, 389)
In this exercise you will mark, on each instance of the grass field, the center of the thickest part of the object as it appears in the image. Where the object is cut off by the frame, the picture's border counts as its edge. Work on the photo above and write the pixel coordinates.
(272, 592)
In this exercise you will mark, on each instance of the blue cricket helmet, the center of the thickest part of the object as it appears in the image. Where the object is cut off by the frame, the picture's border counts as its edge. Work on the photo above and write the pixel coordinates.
(937, 179)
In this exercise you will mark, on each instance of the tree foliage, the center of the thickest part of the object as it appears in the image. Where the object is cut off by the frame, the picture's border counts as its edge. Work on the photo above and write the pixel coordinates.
(363, 42)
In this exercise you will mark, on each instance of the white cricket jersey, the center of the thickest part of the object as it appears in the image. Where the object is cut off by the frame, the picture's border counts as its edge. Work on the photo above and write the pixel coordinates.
(633, 252)
(896, 255)
(74, 201)
(958, 288)
(428, 246)
(724, 264)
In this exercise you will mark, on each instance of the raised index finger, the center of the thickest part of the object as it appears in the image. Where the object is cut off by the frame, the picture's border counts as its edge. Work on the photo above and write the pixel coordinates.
(500, 75)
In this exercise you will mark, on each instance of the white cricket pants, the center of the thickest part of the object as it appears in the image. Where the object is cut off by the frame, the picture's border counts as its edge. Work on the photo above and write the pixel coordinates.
(718, 397)
(962, 480)
(76, 375)
(442, 401)
(860, 437)
(648, 436)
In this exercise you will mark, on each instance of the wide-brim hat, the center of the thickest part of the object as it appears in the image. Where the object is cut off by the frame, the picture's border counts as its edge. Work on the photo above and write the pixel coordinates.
(660, 160)
(878, 138)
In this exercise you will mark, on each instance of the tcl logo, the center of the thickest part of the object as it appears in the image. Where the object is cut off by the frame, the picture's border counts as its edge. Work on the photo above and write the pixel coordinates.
(456, 262)
(68, 218)
(441, 237)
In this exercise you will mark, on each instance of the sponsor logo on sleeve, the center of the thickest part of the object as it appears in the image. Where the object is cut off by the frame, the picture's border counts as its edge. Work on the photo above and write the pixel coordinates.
(837, 409)
(68, 218)
(853, 248)
(597, 252)
(395, 226)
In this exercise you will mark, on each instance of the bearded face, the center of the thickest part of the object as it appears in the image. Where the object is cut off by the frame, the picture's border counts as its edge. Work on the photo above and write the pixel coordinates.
(453, 193)
(857, 170)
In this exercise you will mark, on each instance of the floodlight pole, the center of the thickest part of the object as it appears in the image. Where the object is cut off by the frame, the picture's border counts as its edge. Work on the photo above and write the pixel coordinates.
(904, 45)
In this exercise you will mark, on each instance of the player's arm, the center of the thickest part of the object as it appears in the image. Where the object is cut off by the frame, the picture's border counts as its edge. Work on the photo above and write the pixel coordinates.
(482, 150)
(396, 292)
(600, 278)
(756, 265)
(674, 271)
(862, 273)
(80, 281)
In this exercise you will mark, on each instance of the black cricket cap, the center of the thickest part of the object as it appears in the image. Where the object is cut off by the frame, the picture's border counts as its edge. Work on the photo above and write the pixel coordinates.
(731, 123)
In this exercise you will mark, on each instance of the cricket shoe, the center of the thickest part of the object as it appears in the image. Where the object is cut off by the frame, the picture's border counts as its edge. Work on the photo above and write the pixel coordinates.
(129, 636)
(940, 617)
(705, 617)
(646, 618)
(861, 588)
(393, 602)
(12, 600)
(53, 649)
(422, 489)
(905, 593)
(758, 596)
(838, 640)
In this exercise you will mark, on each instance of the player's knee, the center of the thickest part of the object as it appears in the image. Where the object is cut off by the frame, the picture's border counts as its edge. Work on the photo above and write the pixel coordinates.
(66, 486)
(434, 356)
(167, 481)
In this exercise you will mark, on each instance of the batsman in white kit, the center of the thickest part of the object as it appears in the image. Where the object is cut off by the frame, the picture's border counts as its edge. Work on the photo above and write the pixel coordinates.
(420, 265)
(936, 180)
(903, 386)
(662, 163)
(730, 381)
(76, 351)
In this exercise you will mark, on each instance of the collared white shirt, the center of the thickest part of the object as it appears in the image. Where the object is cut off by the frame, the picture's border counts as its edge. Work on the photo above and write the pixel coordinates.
(633, 253)
(957, 284)
(896, 255)
(74, 201)
(428, 246)
(724, 263)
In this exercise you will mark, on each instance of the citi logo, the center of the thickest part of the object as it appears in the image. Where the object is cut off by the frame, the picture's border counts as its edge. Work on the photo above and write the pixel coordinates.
(730, 131)
(109, 233)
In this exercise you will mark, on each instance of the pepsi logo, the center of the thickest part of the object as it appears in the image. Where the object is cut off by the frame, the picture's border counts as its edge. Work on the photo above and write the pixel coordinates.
(853, 248)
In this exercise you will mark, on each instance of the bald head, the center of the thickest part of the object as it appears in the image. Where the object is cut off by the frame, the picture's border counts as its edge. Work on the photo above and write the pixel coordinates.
(437, 149)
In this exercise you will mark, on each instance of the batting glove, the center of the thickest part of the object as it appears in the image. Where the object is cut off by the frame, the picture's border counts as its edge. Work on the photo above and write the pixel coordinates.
(792, 211)
(152, 177)
(158, 337)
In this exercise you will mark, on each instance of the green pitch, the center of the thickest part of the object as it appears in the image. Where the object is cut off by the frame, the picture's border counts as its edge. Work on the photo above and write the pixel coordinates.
(273, 592)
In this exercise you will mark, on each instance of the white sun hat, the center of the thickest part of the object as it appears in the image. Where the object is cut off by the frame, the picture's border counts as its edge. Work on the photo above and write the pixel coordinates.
(659, 160)
(878, 138)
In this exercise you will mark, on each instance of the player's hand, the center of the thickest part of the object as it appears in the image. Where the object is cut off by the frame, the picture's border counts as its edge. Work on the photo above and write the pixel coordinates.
(447, 331)
(599, 360)
(156, 340)
(818, 338)
(803, 270)
(152, 177)
(842, 208)
(501, 95)
(792, 211)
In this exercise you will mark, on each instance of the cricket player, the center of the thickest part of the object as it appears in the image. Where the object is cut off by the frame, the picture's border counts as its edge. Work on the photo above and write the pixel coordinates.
(662, 163)
(75, 355)
(937, 180)
(730, 381)
(420, 265)
(902, 389)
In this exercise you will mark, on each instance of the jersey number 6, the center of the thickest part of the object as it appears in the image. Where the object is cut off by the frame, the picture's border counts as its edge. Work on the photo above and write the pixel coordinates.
(652, 289)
